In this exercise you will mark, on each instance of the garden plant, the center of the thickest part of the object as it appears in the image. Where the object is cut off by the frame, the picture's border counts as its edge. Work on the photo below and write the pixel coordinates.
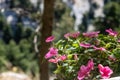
(85, 56)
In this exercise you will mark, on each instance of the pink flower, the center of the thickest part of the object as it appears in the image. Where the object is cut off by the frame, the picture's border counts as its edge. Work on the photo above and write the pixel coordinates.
(57, 58)
(53, 60)
(105, 71)
(82, 72)
(50, 39)
(90, 65)
(100, 48)
(111, 32)
(52, 52)
(63, 57)
(118, 40)
(91, 34)
(85, 70)
(67, 35)
(75, 35)
(85, 45)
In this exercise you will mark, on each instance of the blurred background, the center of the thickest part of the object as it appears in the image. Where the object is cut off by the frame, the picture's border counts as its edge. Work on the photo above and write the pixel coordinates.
(21, 21)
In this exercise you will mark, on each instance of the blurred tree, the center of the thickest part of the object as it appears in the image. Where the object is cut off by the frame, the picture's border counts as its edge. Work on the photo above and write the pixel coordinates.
(64, 22)
(21, 3)
(46, 31)
(18, 33)
(1, 22)
(16, 44)
(4, 64)
(14, 55)
(112, 17)
(7, 33)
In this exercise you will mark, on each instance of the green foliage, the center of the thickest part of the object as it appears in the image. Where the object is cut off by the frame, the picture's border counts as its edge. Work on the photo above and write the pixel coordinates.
(107, 52)
(63, 21)
(7, 33)
(3, 59)
(21, 3)
(17, 55)
(111, 19)
(16, 47)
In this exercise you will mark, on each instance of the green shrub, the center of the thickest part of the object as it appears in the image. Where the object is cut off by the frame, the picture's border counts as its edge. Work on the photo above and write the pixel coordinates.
(75, 51)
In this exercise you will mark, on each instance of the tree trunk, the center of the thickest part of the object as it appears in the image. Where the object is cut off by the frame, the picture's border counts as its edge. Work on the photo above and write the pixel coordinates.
(46, 31)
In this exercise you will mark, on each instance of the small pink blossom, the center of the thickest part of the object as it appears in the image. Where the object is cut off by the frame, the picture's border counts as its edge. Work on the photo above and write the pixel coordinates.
(50, 39)
(82, 72)
(67, 35)
(85, 45)
(73, 35)
(111, 32)
(53, 60)
(91, 34)
(90, 65)
(63, 57)
(100, 48)
(52, 52)
(105, 71)
(118, 40)
(58, 58)
(85, 70)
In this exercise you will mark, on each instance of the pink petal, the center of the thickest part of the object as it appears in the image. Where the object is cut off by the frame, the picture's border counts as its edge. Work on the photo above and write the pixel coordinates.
(111, 32)
(52, 52)
(85, 70)
(50, 39)
(100, 48)
(118, 40)
(90, 64)
(63, 57)
(67, 35)
(87, 45)
(105, 71)
(53, 60)
(75, 35)
(48, 55)
(91, 34)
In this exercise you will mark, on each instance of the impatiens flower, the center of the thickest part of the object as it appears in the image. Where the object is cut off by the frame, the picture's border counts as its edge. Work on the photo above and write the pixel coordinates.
(118, 40)
(111, 32)
(58, 58)
(63, 57)
(105, 71)
(67, 35)
(53, 60)
(52, 52)
(82, 72)
(100, 48)
(91, 34)
(75, 35)
(90, 65)
(85, 45)
(50, 39)
(85, 70)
